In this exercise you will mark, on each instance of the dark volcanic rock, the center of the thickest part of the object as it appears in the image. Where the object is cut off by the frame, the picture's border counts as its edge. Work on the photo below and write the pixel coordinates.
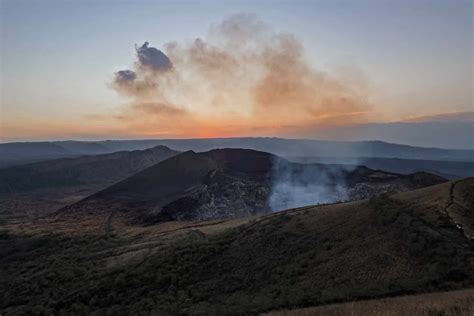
(229, 183)
(223, 196)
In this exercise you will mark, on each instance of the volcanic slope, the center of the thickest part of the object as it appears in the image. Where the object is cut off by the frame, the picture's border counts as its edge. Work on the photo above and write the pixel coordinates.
(411, 242)
(229, 183)
(98, 171)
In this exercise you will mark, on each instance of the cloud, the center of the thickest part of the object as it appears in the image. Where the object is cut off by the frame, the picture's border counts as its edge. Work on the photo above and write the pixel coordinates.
(125, 76)
(444, 117)
(158, 109)
(141, 82)
(241, 77)
(153, 58)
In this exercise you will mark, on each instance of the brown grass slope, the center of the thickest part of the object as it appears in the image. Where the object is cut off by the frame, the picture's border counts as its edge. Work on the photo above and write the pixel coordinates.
(386, 246)
(454, 303)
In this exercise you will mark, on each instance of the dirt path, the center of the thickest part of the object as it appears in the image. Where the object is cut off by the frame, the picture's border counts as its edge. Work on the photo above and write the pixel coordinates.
(451, 202)
(167, 232)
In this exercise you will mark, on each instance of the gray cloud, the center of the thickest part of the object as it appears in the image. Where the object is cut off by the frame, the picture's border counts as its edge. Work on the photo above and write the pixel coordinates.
(125, 76)
(153, 58)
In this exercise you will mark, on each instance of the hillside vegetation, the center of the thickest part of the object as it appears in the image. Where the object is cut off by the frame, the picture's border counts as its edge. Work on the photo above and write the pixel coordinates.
(454, 303)
(389, 245)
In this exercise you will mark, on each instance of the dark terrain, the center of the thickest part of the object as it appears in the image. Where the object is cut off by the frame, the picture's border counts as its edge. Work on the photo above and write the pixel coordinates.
(196, 234)
(231, 183)
(41, 188)
(97, 171)
(413, 242)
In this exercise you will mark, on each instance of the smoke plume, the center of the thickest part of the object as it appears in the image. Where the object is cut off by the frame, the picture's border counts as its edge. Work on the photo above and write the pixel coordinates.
(240, 79)
(296, 185)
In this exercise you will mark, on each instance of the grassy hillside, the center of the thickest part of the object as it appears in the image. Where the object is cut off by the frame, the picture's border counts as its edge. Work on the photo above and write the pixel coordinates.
(390, 245)
(454, 303)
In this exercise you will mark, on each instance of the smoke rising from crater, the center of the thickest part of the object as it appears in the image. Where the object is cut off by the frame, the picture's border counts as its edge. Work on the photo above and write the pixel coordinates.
(241, 78)
(296, 185)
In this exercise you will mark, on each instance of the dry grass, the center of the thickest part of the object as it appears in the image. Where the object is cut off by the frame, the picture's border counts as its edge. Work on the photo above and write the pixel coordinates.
(302, 257)
(445, 303)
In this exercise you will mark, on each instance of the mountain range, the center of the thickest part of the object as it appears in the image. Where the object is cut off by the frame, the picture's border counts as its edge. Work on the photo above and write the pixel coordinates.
(17, 153)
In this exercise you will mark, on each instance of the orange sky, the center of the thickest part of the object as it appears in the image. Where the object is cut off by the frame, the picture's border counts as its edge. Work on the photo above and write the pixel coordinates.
(236, 76)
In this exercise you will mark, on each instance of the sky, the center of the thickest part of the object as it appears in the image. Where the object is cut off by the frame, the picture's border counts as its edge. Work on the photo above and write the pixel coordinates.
(312, 69)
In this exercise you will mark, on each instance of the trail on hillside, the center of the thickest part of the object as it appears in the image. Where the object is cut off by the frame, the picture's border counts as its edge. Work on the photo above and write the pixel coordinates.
(452, 201)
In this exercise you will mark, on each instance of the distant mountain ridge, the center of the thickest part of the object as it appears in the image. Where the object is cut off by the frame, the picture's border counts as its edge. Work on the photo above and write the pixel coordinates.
(445, 169)
(18, 153)
(322, 148)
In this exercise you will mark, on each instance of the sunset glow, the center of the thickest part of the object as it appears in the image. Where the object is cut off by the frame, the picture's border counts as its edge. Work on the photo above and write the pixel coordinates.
(244, 73)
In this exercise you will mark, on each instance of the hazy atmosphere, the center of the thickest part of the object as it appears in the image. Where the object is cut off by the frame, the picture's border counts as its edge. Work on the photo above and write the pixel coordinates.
(350, 70)
(273, 157)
